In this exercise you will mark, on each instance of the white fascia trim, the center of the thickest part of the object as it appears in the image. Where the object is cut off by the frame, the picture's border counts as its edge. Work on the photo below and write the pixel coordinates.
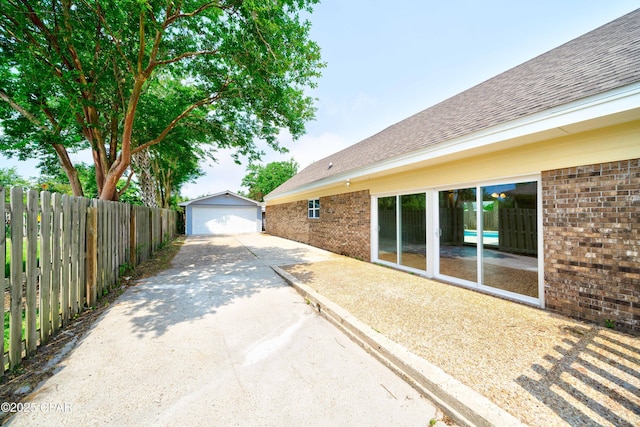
(607, 103)
(222, 193)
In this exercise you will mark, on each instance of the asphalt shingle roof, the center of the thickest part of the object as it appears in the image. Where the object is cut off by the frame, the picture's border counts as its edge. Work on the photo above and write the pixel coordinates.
(601, 60)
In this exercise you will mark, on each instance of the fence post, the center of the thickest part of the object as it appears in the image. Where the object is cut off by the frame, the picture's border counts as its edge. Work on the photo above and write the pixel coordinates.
(15, 315)
(45, 266)
(82, 255)
(73, 282)
(3, 250)
(100, 238)
(133, 257)
(56, 261)
(92, 259)
(66, 259)
(31, 266)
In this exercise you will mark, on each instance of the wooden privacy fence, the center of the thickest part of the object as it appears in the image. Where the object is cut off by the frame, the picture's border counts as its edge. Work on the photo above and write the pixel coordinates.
(61, 254)
(518, 231)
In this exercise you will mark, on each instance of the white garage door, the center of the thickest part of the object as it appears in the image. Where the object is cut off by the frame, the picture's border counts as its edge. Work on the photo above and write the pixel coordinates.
(224, 220)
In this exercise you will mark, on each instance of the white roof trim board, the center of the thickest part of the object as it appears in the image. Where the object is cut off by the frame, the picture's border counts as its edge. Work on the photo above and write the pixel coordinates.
(583, 113)
(222, 193)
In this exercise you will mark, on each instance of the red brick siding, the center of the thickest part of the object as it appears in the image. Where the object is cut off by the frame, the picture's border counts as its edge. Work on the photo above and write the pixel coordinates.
(591, 226)
(344, 226)
(288, 220)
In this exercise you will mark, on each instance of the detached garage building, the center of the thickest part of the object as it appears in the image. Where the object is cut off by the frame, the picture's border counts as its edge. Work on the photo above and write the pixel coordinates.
(223, 213)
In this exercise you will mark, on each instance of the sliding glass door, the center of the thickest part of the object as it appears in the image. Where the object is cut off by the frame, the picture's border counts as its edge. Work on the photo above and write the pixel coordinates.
(402, 238)
(457, 218)
(510, 238)
(387, 229)
(413, 231)
(483, 236)
(489, 237)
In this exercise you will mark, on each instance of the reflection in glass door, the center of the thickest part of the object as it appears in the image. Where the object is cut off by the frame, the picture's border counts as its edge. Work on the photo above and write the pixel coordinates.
(387, 229)
(413, 222)
(510, 238)
(457, 219)
(493, 228)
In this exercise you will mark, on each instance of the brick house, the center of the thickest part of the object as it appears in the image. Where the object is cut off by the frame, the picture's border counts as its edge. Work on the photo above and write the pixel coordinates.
(526, 186)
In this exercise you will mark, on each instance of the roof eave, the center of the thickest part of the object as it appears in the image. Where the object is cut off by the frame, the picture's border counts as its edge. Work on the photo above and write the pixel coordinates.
(566, 119)
(222, 193)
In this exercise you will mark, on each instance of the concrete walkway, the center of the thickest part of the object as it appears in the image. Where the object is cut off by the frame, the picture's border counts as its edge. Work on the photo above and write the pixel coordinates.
(482, 359)
(221, 339)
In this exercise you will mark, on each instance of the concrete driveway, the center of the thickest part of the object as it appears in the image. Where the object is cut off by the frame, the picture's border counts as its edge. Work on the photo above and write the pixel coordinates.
(220, 339)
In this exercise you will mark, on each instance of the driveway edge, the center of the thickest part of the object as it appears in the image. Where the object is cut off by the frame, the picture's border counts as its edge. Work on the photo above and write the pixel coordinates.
(463, 404)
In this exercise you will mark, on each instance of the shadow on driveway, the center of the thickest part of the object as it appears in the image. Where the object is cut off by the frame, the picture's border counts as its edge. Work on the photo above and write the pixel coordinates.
(203, 278)
(209, 273)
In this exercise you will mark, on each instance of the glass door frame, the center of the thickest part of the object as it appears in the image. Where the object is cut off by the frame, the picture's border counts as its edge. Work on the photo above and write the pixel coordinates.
(478, 185)
(428, 270)
(433, 235)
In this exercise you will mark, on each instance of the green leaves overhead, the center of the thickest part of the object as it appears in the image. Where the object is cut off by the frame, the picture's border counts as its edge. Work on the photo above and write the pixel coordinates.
(120, 76)
(262, 180)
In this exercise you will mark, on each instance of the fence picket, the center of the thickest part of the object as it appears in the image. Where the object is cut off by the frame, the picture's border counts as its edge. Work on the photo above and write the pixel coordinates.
(15, 310)
(82, 255)
(45, 266)
(73, 254)
(99, 256)
(73, 258)
(56, 261)
(3, 250)
(66, 260)
(31, 307)
(92, 247)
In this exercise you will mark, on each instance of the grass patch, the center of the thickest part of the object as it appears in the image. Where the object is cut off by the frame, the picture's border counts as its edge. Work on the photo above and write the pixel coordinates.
(7, 256)
(24, 323)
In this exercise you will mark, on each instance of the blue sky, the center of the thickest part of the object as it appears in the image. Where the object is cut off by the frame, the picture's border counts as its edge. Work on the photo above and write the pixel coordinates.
(389, 60)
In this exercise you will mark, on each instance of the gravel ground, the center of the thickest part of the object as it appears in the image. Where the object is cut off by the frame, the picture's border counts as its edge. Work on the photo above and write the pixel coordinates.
(542, 368)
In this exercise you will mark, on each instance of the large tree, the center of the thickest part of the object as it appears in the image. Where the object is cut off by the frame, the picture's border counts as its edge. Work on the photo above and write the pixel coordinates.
(262, 180)
(74, 75)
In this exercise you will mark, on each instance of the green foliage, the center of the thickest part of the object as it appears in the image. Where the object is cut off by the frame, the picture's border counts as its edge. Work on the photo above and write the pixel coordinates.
(9, 178)
(129, 193)
(7, 257)
(120, 76)
(54, 179)
(413, 202)
(261, 180)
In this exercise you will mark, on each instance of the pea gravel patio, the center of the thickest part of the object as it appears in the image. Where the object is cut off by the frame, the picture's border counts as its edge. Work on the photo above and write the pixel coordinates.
(541, 368)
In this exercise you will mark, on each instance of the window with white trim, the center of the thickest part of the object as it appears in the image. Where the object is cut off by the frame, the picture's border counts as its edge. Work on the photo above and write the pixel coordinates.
(314, 208)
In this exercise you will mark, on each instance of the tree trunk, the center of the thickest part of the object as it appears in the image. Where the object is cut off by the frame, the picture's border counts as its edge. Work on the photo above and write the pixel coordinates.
(123, 161)
(109, 189)
(69, 169)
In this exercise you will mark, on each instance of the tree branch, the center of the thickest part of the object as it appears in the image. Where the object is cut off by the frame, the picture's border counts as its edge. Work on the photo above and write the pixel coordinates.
(170, 20)
(186, 55)
(142, 43)
(111, 34)
(126, 185)
(171, 125)
(26, 114)
(185, 113)
(35, 19)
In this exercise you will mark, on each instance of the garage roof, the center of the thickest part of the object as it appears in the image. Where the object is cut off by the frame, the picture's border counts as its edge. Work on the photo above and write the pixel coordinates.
(223, 193)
